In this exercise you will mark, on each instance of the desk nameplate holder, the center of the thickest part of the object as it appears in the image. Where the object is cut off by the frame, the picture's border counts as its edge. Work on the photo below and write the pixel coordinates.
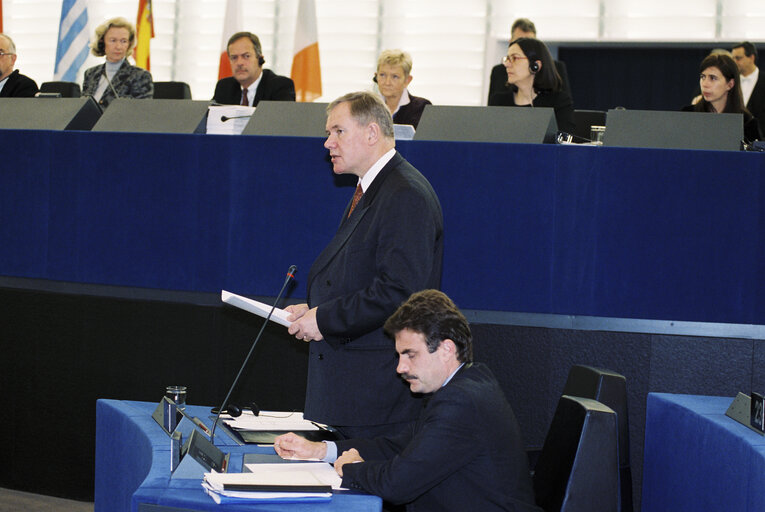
(199, 456)
(741, 410)
(172, 419)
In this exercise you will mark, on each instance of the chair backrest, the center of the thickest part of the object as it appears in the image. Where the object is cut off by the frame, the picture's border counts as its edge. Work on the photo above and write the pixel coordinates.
(578, 469)
(586, 119)
(172, 91)
(66, 89)
(610, 389)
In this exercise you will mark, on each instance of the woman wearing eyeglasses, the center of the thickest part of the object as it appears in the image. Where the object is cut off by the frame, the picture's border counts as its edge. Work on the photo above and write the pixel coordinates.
(534, 82)
(116, 78)
(721, 92)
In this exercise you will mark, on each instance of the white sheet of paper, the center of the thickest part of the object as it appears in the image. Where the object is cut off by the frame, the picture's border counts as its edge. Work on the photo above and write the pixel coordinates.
(233, 126)
(322, 471)
(270, 420)
(257, 308)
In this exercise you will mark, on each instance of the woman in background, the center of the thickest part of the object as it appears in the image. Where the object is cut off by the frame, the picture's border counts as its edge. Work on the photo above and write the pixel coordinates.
(116, 78)
(721, 92)
(392, 77)
(535, 82)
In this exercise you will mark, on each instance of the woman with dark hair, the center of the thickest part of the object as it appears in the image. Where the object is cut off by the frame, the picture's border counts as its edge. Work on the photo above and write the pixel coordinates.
(116, 78)
(534, 81)
(721, 92)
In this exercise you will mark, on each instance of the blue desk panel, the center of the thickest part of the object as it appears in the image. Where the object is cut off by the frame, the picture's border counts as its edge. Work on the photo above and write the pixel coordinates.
(610, 232)
(697, 459)
(133, 466)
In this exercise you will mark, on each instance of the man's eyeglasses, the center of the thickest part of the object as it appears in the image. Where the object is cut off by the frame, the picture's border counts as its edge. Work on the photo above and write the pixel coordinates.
(512, 58)
(3, 53)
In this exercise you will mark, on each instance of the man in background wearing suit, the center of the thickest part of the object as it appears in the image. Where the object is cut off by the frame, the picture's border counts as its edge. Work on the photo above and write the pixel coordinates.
(522, 27)
(465, 451)
(12, 83)
(389, 244)
(753, 89)
(250, 83)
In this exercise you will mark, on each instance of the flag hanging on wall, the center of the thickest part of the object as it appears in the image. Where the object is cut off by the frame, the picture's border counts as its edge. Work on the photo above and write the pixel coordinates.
(306, 70)
(72, 48)
(232, 23)
(144, 29)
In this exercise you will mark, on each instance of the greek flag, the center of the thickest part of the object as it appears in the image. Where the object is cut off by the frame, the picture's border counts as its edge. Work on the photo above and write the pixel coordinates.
(72, 49)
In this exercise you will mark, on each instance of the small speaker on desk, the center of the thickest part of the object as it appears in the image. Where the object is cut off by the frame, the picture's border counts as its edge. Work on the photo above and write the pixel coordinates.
(49, 113)
(487, 124)
(153, 116)
(673, 130)
(288, 118)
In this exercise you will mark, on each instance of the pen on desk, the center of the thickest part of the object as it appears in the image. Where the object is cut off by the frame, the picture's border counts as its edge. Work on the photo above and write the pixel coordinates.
(320, 427)
(201, 425)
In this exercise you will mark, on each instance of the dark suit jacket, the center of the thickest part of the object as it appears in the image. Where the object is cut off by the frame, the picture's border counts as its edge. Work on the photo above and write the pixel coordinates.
(411, 112)
(498, 78)
(19, 86)
(464, 453)
(390, 247)
(272, 87)
(560, 101)
(756, 103)
(129, 82)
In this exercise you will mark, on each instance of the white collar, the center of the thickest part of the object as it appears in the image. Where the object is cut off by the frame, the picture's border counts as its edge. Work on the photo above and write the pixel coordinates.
(373, 171)
(452, 375)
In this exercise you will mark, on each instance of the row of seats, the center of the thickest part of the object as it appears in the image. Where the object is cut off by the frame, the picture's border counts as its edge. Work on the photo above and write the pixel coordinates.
(162, 90)
(584, 465)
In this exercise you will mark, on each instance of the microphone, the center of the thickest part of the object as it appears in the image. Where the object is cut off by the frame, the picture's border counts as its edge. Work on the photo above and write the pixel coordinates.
(226, 118)
(290, 275)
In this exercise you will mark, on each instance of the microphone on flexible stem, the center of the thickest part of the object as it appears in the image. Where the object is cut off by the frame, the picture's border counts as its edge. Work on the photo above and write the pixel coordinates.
(226, 118)
(290, 275)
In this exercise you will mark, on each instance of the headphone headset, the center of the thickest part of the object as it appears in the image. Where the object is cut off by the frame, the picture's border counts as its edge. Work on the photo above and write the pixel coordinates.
(534, 67)
(261, 60)
(235, 411)
(374, 78)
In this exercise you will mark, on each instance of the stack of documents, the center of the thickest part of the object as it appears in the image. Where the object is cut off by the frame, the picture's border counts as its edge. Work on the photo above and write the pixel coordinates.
(294, 482)
(265, 427)
(256, 308)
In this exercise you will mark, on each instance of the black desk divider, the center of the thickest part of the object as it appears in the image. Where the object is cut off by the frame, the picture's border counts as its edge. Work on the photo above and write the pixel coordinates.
(288, 118)
(48, 113)
(673, 130)
(487, 124)
(172, 419)
(153, 116)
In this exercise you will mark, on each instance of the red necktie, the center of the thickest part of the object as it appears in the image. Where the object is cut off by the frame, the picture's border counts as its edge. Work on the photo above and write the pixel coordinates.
(244, 98)
(356, 198)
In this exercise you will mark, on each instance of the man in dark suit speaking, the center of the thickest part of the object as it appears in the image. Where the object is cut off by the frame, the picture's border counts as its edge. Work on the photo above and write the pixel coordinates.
(389, 244)
(465, 451)
(250, 83)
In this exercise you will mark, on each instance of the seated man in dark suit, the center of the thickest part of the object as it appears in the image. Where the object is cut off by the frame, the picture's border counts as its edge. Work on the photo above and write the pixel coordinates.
(250, 83)
(465, 450)
(522, 27)
(12, 83)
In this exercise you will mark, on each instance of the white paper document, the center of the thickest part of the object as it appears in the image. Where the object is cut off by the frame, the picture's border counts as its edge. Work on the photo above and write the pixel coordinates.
(228, 119)
(265, 481)
(270, 421)
(257, 308)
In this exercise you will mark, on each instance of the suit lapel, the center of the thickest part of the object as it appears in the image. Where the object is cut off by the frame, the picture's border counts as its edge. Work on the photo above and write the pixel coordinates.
(348, 225)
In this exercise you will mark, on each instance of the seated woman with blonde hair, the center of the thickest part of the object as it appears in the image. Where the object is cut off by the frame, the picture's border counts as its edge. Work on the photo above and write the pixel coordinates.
(116, 78)
(721, 92)
(392, 77)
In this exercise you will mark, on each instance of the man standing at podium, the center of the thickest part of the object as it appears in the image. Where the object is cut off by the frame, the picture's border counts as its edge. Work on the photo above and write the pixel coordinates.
(250, 83)
(389, 244)
(12, 83)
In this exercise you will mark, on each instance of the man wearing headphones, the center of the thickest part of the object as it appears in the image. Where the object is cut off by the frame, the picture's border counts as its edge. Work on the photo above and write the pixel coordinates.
(250, 83)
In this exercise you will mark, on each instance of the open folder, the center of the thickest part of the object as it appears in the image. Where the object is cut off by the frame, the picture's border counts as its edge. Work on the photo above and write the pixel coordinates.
(257, 308)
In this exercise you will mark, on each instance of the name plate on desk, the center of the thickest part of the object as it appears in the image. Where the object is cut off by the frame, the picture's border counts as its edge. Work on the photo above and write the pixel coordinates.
(742, 410)
(200, 456)
(757, 413)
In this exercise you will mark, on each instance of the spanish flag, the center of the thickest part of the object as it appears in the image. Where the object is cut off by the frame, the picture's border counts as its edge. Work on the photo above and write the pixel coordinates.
(232, 23)
(144, 28)
(306, 69)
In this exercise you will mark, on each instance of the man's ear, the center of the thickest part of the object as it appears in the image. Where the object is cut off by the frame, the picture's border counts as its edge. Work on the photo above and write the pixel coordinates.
(373, 133)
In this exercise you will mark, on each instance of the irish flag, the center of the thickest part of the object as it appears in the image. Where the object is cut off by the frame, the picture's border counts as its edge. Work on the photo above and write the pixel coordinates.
(232, 23)
(144, 28)
(306, 71)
